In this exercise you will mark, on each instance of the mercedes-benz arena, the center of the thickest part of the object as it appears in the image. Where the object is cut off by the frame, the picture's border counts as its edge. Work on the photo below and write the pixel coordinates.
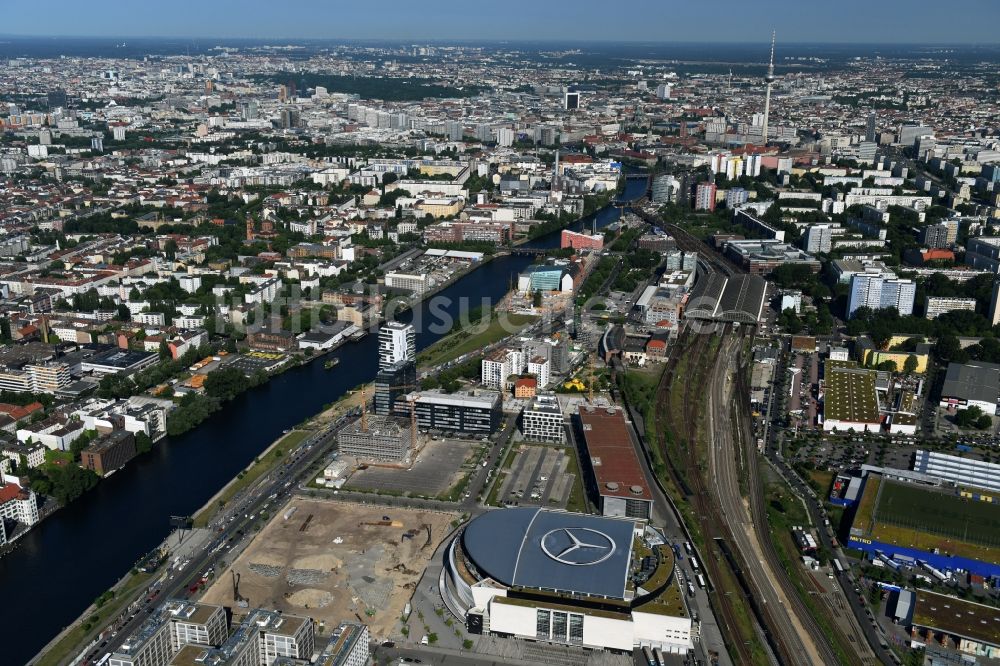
(570, 578)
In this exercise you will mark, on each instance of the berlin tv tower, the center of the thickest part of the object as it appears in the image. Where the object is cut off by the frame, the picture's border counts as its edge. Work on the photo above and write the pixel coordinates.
(769, 79)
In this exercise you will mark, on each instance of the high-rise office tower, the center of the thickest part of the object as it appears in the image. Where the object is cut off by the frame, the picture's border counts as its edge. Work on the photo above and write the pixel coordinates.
(392, 383)
(769, 79)
(396, 342)
(870, 127)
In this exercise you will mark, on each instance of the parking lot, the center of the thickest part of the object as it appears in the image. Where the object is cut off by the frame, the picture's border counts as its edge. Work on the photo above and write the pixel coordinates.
(438, 467)
(257, 361)
(537, 476)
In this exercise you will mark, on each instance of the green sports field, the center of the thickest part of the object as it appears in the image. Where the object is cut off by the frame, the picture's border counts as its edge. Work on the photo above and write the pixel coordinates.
(908, 514)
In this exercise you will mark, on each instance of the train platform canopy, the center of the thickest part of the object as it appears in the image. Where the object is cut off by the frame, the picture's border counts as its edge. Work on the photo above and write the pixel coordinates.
(739, 298)
(552, 550)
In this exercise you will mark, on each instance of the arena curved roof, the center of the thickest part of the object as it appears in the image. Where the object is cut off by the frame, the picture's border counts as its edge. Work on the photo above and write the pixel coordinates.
(552, 550)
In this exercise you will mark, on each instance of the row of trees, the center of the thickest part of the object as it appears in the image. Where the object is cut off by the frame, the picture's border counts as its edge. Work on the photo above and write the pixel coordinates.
(882, 324)
(448, 380)
(63, 482)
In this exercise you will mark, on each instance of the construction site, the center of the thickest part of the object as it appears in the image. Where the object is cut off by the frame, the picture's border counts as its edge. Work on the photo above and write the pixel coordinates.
(440, 464)
(335, 561)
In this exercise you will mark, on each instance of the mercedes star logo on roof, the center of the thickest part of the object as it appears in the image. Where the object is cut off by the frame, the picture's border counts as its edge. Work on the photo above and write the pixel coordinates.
(577, 546)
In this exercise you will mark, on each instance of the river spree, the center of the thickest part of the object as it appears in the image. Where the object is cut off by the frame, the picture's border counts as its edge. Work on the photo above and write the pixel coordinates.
(63, 564)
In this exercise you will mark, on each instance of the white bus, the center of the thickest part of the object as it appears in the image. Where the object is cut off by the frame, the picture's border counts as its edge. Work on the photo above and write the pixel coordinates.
(701, 581)
(694, 564)
(838, 566)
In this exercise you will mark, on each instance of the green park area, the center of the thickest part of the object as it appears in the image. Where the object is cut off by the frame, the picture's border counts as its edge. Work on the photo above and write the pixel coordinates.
(474, 337)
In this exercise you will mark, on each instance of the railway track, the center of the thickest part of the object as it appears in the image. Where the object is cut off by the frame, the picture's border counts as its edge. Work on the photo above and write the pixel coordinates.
(693, 346)
(743, 442)
(768, 608)
(773, 619)
(744, 439)
(701, 363)
(689, 243)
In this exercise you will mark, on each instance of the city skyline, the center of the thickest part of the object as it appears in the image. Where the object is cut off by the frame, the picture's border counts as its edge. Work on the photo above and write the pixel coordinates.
(389, 336)
(560, 20)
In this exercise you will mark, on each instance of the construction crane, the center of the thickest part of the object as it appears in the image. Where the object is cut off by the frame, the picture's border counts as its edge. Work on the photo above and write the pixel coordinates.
(364, 410)
(590, 387)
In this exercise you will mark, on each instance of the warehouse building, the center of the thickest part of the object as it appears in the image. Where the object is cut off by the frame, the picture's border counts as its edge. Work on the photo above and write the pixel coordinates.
(849, 398)
(972, 385)
(566, 578)
(960, 471)
(934, 619)
(616, 473)
(114, 361)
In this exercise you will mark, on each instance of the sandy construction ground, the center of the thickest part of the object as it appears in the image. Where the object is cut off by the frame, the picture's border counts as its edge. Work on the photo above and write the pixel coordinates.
(297, 565)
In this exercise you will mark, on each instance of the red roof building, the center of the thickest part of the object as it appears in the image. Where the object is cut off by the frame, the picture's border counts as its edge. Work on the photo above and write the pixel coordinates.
(17, 412)
(525, 387)
(617, 472)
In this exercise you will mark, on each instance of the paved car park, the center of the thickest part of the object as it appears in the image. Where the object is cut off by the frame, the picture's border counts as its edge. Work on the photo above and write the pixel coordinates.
(538, 476)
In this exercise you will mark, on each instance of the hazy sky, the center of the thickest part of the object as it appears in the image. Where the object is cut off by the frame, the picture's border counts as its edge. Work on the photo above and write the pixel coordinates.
(871, 21)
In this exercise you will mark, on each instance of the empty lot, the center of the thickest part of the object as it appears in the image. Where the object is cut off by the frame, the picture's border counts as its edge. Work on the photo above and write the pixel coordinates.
(331, 559)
